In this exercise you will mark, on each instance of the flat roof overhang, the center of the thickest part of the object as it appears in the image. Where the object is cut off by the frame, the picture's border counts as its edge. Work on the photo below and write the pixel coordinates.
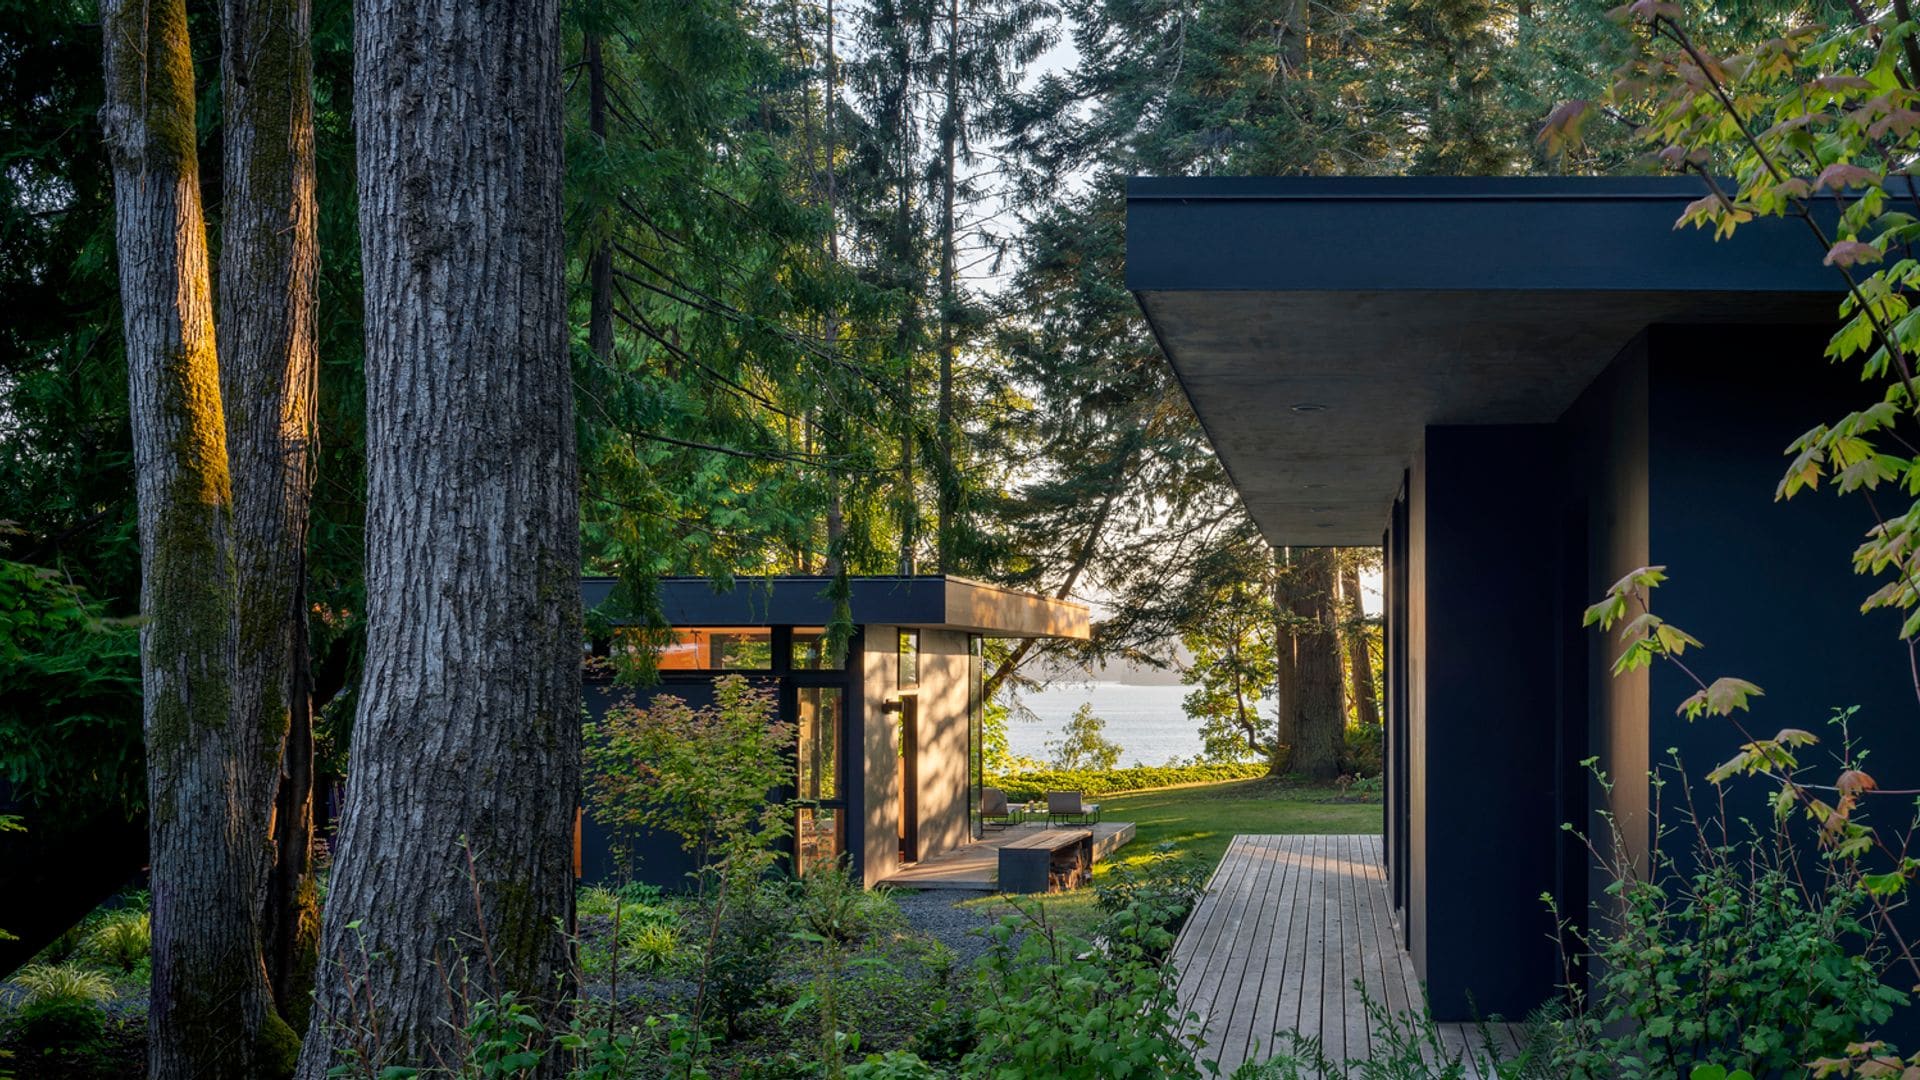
(926, 601)
(1320, 325)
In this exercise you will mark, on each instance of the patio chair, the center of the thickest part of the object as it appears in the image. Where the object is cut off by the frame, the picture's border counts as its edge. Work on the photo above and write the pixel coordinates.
(1065, 807)
(994, 811)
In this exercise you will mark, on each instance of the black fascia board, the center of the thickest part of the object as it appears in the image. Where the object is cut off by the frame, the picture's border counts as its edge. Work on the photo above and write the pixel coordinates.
(789, 600)
(1528, 234)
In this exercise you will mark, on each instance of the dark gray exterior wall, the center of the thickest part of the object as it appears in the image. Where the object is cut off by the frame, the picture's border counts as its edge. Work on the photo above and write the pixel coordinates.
(1482, 719)
(1766, 585)
(1606, 438)
(1670, 458)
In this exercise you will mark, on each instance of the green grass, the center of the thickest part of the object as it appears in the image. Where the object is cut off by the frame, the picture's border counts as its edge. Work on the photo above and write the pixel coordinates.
(1201, 820)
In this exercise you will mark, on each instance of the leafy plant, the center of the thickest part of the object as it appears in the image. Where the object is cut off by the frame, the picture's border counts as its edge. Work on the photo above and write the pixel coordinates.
(70, 705)
(123, 940)
(61, 1004)
(1162, 887)
(652, 945)
(898, 1065)
(1062, 1006)
(1741, 958)
(702, 774)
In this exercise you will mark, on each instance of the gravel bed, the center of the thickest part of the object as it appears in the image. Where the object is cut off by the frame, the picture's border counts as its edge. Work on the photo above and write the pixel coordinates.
(932, 912)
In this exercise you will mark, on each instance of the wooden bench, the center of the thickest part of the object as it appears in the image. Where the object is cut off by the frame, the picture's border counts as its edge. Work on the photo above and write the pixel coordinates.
(1051, 860)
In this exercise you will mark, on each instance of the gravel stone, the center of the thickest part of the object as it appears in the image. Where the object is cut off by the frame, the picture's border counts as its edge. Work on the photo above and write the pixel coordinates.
(933, 912)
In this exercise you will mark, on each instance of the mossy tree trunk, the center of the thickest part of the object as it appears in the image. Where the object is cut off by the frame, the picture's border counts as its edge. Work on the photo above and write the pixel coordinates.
(1321, 711)
(269, 382)
(211, 1013)
(454, 863)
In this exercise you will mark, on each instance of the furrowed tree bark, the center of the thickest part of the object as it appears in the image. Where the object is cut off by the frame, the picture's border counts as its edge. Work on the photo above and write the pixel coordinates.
(1322, 716)
(1366, 705)
(211, 1013)
(455, 851)
(269, 383)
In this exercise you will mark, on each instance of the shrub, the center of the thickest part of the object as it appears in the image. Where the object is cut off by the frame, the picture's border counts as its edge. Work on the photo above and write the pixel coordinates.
(1061, 1006)
(702, 774)
(1360, 748)
(1163, 887)
(1738, 962)
(1034, 784)
(62, 1004)
(123, 940)
(652, 946)
(898, 1065)
(752, 933)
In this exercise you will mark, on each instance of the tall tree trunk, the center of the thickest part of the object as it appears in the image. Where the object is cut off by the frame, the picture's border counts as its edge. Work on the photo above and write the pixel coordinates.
(1322, 716)
(1366, 705)
(907, 335)
(600, 262)
(269, 383)
(455, 852)
(947, 492)
(835, 433)
(1286, 676)
(211, 1013)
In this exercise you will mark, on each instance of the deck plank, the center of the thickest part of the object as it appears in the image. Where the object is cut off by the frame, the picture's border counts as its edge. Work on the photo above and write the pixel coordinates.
(1194, 949)
(1241, 907)
(1237, 1033)
(1284, 929)
(1273, 953)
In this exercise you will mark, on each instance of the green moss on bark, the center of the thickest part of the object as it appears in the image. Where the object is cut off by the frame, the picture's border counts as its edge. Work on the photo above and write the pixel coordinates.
(150, 73)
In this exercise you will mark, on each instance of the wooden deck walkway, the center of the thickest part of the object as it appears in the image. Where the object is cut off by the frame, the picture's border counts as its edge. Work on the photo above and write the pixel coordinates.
(1285, 928)
(976, 866)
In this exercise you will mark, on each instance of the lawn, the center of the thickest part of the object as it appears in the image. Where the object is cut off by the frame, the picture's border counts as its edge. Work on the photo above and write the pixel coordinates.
(1201, 820)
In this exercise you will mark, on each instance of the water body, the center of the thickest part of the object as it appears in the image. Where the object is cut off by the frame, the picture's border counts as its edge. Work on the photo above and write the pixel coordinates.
(1148, 722)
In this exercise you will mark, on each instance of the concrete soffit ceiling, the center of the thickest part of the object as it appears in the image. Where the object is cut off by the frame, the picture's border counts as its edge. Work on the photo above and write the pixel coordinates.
(1320, 326)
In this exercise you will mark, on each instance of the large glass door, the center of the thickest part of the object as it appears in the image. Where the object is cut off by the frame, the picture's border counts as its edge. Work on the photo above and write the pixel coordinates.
(819, 833)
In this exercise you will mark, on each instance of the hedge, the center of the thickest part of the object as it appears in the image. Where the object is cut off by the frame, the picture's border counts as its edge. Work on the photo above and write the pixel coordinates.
(1027, 786)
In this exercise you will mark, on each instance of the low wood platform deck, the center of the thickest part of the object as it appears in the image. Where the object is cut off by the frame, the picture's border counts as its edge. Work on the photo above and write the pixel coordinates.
(976, 866)
(1286, 926)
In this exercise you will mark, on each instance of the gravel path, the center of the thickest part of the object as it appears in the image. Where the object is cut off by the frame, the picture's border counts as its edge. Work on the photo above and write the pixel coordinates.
(932, 912)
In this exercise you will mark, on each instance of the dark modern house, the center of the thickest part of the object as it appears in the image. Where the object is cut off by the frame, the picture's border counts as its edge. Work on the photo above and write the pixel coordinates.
(1524, 389)
(888, 746)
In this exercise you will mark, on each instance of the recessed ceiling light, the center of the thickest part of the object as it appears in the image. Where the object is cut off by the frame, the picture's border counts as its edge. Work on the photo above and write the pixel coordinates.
(1309, 406)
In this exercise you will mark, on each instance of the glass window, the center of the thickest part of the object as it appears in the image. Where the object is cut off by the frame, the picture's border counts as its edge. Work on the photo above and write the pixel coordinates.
(719, 648)
(909, 659)
(810, 650)
(819, 742)
(817, 839)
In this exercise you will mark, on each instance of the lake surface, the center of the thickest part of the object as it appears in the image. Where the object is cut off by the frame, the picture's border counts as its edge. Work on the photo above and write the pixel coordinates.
(1148, 722)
